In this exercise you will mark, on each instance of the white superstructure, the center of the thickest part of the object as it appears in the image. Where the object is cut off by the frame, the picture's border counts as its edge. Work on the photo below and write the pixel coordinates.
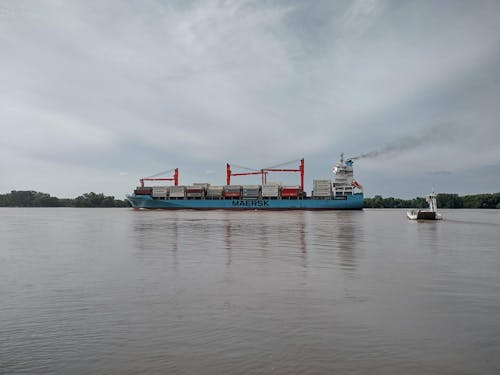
(344, 183)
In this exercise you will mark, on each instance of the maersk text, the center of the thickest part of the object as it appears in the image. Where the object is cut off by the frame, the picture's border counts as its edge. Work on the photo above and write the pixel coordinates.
(250, 203)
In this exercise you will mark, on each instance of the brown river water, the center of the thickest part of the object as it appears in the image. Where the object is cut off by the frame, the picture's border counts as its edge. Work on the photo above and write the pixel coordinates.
(119, 291)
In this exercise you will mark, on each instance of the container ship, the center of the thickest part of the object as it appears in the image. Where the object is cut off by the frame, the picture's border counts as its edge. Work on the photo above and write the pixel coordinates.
(343, 193)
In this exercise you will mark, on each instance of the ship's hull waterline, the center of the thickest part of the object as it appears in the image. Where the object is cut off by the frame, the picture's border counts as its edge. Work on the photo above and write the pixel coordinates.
(351, 202)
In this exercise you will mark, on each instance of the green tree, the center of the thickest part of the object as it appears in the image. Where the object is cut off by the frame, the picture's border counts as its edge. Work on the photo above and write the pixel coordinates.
(449, 201)
(98, 200)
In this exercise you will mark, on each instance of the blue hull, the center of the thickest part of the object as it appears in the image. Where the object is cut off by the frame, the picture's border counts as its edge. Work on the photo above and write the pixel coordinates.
(352, 202)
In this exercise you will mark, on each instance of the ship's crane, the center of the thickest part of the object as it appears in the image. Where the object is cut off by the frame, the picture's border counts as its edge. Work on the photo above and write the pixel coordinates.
(300, 170)
(250, 172)
(264, 171)
(155, 177)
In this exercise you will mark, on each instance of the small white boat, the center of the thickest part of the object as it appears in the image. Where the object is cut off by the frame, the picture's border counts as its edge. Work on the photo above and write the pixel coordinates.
(428, 214)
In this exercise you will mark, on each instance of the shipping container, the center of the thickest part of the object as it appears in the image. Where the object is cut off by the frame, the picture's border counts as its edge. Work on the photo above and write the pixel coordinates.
(322, 184)
(270, 190)
(232, 191)
(232, 194)
(250, 194)
(143, 191)
(215, 188)
(251, 191)
(177, 191)
(322, 189)
(214, 192)
(195, 192)
(194, 189)
(290, 191)
(160, 191)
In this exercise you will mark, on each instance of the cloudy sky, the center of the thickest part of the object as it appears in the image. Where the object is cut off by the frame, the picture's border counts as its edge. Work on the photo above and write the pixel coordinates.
(95, 94)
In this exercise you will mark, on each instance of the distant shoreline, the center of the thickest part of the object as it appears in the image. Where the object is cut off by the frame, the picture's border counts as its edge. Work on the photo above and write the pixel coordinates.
(444, 200)
(30, 198)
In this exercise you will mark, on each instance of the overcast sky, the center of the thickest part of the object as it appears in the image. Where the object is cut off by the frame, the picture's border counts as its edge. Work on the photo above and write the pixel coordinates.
(95, 94)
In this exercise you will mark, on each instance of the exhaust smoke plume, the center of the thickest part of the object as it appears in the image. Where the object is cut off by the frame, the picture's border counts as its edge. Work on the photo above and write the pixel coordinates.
(436, 134)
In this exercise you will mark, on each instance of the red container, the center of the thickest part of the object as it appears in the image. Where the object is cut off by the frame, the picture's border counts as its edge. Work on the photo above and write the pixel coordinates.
(232, 194)
(290, 192)
(194, 190)
(143, 191)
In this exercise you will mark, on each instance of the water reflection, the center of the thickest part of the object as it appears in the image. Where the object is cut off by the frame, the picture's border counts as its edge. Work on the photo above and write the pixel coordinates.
(265, 232)
(302, 230)
(427, 234)
(336, 236)
(156, 234)
(263, 238)
(347, 237)
(251, 235)
(228, 242)
(174, 243)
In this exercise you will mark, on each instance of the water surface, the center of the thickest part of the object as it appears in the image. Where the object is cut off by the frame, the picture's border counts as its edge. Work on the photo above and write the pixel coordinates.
(118, 291)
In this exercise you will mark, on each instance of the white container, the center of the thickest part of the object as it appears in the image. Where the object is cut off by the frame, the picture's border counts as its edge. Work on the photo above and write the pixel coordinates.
(270, 190)
(322, 184)
(177, 191)
(322, 188)
(214, 191)
(251, 191)
(195, 191)
(160, 191)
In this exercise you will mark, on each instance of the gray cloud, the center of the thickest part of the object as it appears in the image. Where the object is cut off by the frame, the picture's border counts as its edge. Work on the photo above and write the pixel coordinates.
(440, 173)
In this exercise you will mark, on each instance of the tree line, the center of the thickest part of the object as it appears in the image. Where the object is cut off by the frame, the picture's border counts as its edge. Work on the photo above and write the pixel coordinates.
(29, 198)
(444, 200)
